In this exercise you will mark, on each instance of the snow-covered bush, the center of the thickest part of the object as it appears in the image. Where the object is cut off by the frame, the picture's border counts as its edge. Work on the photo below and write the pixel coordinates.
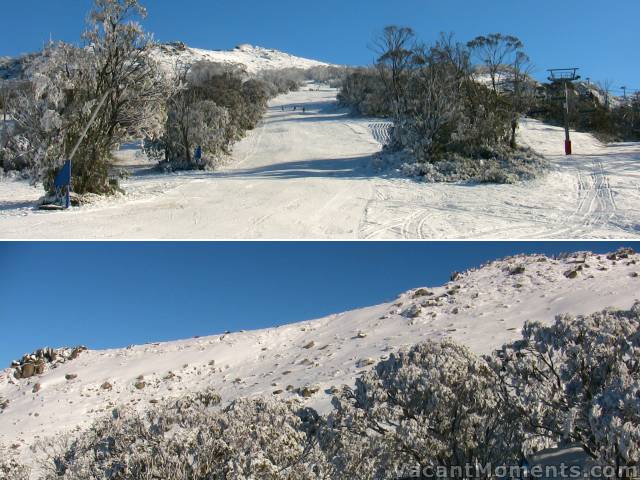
(212, 107)
(282, 80)
(67, 85)
(195, 122)
(507, 166)
(433, 405)
(329, 75)
(445, 111)
(189, 439)
(578, 381)
(10, 466)
(363, 91)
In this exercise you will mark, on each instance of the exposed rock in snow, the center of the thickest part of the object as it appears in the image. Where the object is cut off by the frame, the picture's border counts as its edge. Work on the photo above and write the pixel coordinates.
(35, 363)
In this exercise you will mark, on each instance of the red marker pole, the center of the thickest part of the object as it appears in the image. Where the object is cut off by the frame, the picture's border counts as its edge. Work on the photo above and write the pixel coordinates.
(567, 135)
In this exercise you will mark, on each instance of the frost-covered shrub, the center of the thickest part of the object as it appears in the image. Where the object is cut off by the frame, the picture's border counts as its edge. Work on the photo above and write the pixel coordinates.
(363, 91)
(329, 75)
(433, 405)
(578, 381)
(212, 107)
(282, 80)
(189, 439)
(505, 167)
(445, 111)
(10, 467)
(193, 123)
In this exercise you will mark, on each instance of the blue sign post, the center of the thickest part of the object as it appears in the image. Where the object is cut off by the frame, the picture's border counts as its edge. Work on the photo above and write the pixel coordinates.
(63, 180)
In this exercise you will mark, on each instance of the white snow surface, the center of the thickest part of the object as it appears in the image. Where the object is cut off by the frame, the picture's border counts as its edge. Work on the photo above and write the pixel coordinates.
(482, 309)
(310, 175)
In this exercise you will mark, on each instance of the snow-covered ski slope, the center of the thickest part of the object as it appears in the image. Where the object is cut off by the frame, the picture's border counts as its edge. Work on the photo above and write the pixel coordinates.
(483, 308)
(594, 193)
(308, 175)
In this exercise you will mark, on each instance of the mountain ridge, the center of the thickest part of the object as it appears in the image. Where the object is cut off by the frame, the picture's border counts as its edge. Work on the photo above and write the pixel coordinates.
(254, 58)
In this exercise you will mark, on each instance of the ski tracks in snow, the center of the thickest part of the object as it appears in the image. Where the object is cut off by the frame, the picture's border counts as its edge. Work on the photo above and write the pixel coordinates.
(310, 176)
(574, 200)
(381, 132)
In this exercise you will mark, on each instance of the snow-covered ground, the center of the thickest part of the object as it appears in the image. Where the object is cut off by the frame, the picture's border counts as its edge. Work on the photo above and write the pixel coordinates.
(594, 193)
(483, 308)
(255, 59)
(309, 175)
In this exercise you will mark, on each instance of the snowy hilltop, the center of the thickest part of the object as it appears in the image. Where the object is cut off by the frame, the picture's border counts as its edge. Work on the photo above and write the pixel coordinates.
(56, 391)
(254, 59)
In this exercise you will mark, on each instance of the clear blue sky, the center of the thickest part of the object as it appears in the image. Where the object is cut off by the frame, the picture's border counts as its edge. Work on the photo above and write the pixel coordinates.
(600, 37)
(115, 294)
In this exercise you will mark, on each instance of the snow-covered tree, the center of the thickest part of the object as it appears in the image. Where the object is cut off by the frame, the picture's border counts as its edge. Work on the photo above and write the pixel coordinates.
(211, 107)
(193, 120)
(282, 80)
(496, 51)
(68, 84)
(431, 406)
(519, 91)
(364, 92)
(578, 381)
(44, 117)
(394, 47)
(445, 111)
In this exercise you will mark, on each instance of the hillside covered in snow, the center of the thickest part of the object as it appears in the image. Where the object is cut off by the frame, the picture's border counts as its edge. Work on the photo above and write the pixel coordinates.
(253, 59)
(66, 390)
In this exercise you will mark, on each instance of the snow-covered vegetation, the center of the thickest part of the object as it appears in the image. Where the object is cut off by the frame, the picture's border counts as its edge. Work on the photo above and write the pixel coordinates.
(474, 370)
(456, 108)
(442, 114)
(431, 406)
(179, 100)
(593, 109)
(113, 76)
(190, 439)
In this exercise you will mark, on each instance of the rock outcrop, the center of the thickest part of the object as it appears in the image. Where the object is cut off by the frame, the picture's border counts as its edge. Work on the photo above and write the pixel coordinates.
(35, 363)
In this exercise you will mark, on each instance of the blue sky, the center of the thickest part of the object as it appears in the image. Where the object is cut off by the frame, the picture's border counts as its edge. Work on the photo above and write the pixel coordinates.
(602, 38)
(115, 294)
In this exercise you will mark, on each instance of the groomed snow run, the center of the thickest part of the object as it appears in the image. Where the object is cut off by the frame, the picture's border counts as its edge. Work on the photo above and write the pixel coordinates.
(482, 308)
(308, 175)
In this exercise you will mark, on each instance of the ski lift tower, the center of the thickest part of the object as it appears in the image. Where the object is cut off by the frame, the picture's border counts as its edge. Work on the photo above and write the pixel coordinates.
(565, 76)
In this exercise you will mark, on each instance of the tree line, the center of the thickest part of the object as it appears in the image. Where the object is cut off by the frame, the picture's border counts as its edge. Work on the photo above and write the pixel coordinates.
(436, 98)
(464, 100)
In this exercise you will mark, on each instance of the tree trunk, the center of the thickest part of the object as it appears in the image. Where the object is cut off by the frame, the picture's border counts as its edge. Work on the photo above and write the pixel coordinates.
(514, 128)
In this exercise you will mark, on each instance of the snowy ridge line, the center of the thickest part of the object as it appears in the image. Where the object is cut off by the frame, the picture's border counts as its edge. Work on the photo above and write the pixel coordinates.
(254, 58)
(482, 308)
